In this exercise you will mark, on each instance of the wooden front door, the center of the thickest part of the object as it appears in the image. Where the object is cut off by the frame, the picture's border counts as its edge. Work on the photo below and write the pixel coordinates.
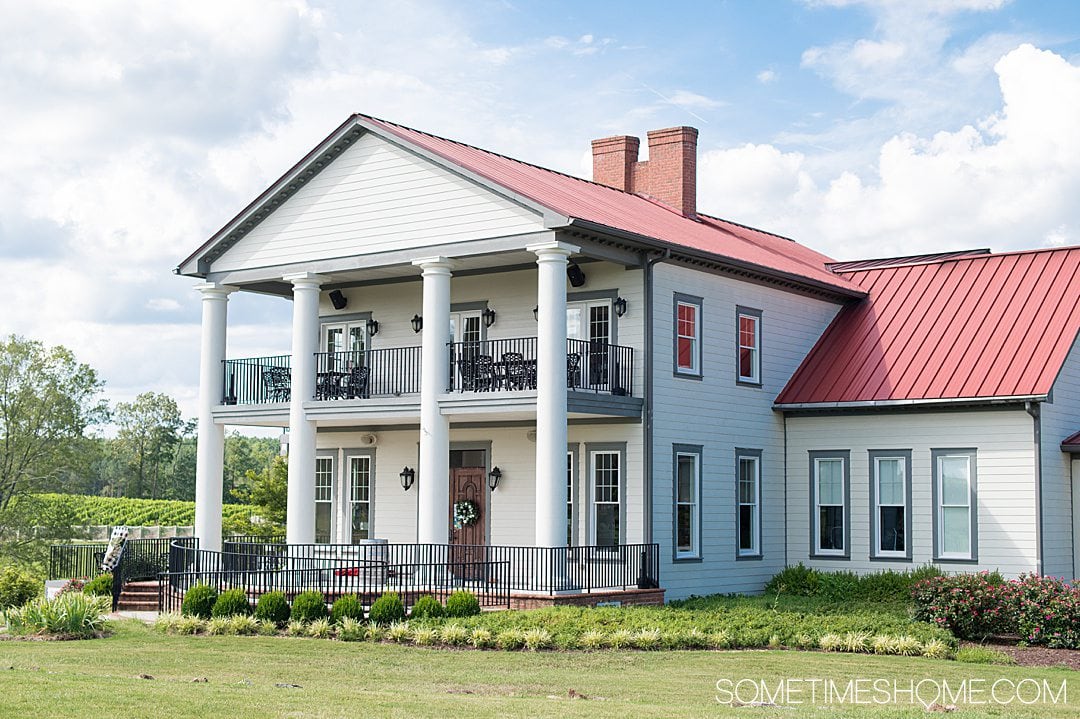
(468, 484)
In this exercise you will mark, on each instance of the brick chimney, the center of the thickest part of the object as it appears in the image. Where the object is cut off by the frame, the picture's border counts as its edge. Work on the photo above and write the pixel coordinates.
(669, 175)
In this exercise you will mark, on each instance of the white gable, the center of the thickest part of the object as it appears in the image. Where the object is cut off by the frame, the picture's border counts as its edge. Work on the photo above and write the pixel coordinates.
(376, 197)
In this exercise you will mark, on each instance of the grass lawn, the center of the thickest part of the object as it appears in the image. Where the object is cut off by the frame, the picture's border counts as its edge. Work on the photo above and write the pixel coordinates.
(99, 678)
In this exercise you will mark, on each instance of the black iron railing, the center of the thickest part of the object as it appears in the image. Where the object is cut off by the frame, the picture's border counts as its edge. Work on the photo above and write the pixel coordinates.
(510, 364)
(388, 372)
(599, 367)
(257, 380)
(366, 571)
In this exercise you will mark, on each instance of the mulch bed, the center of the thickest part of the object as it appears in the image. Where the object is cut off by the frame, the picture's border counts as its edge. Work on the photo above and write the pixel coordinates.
(1035, 656)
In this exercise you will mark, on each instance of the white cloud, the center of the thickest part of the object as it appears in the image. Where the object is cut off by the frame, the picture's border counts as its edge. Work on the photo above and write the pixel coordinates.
(766, 77)
(1009, 180)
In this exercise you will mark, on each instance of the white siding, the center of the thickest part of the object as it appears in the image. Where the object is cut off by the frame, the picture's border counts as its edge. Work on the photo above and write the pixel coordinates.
(720, 415)
(511, 516)
(376, 197)
(1060, 418)
(1005, 480)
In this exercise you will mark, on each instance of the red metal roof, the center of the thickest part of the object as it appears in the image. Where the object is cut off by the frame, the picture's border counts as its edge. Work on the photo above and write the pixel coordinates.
(625, 211)
(981, 326)
(879, 263)
(1071, 443)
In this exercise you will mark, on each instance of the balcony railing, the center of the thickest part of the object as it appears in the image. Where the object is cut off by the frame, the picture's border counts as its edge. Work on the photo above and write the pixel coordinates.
(510, 364)
(480, 366)
(369, 373)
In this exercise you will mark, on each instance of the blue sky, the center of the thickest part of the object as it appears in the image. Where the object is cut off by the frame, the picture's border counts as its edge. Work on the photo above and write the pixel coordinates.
(132, 131)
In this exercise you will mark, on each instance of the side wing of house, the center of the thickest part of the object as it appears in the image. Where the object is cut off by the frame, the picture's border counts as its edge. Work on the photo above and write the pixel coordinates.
(1060, 418)
(736, 513)
(894, 489)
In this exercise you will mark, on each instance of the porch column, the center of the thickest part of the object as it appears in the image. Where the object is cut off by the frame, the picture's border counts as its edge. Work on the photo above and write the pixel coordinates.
(551, 258)
(210, 451)
(433, 477)
(300, 501)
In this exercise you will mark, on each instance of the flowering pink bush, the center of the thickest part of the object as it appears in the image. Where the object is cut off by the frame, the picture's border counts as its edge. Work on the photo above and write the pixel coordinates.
(1042, 610)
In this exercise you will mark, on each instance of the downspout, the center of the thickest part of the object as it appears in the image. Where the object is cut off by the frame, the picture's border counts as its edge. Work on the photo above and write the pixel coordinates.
(647, 450)
(1034, 409)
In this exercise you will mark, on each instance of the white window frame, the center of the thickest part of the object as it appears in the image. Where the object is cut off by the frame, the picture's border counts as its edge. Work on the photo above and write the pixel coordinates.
(878, 505)
(970, 458)
(352, 460)
(817, 458)
(754, 457)
(694, 505)
(754, 378)
(324, 493)
(594, 502)
(696, 303)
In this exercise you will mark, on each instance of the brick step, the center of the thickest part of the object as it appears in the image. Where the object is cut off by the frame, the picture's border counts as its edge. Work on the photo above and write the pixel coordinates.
(137, 606)
(140, 591)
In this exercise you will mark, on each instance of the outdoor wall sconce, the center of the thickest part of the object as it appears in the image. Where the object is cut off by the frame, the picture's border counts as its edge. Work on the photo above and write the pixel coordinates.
(536, 313)
(575, 275)
(338, 300)
(372, 327)
(493, 478)
(408, 476)
(417, 323)
(620, 306)
(489, 316)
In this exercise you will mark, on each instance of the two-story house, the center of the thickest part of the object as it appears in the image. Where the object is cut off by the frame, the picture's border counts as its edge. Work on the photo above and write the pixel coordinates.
(489, 354)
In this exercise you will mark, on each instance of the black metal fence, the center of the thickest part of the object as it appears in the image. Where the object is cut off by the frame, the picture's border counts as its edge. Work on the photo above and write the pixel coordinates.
(388, 372)
(599, 367)
(257, 380)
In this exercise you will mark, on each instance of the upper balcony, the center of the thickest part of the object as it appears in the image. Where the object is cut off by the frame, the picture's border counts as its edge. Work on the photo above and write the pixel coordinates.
(599, 379)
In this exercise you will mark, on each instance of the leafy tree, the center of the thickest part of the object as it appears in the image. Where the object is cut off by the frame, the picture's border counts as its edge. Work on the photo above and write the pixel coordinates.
(149, 433)
(48, 402)
(269, 493)
(244, 456)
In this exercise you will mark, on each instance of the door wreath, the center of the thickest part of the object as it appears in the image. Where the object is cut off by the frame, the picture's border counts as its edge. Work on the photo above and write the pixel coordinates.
(466, 513)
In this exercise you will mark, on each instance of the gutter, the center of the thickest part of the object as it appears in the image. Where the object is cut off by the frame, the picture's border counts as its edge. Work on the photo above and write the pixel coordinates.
(1035, 410)
(647, 449)
(887, 403)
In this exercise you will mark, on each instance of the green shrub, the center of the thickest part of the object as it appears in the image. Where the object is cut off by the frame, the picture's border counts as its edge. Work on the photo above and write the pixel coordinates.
(387, 610)
(231, 603)
(219, 626)
(427, 607)
(971, 606)
(798, 580)
(68, 615)
(243, 625)
(199, 601)
(347, 606)
(887, 586)
(351, 630)
(17, 587)
(462, 604)
(99, 586)
(982, 655)
(309, 607)
(273, 607)
(320, 629)
(425, 636)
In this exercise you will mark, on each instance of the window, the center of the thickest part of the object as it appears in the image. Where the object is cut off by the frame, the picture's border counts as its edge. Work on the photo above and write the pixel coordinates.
(687, 468)
(749, 501)
(589, 331)
(324, 495)
(829, 490)
(687, 335)
(606, 479)
(890, 506)
(954, 500)
(749, 345)
(345, 344)
(360, 497)
(569, 499)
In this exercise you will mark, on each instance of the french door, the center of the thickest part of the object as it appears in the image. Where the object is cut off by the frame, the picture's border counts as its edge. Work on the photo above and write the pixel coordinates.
(466, 335)
(588, 327)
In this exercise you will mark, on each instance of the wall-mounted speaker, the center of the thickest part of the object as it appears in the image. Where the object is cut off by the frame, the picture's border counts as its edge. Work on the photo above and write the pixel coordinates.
(338, 300)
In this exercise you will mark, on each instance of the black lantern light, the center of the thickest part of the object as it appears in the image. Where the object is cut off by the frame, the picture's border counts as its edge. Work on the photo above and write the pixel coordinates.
(489, 316)
(417, 323)
(372, 327)
(493, 478)
(536, 313)
(620, 306)
(408, 476)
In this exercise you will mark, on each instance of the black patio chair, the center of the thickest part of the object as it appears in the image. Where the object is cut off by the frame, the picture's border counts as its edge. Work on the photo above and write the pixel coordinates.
(573, 370)
(516, 372)
(485, 378)
(356, 384)
(277, 382)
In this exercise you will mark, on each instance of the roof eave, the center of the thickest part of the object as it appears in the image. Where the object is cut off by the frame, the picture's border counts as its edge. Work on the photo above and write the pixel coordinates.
(903, 403)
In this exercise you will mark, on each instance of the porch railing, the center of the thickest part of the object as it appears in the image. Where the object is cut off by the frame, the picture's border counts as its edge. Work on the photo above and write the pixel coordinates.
(390, 372)
(257, 380)
(510, 364)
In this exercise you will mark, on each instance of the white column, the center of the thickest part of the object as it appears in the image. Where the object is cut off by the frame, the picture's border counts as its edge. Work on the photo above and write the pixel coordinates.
(551, 258)
(433, 475)
(210, 452)
(300, 502)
